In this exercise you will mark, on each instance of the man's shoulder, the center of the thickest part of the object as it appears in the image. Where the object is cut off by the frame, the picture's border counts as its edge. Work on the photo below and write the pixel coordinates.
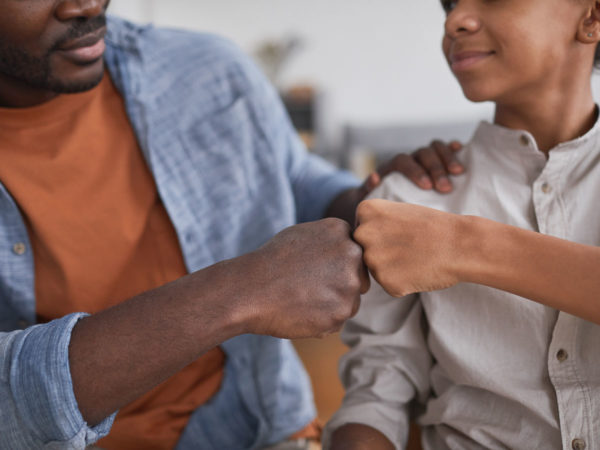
(211, 56)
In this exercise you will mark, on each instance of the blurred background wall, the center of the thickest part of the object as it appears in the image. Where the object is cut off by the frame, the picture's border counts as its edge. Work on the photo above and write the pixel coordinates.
(371, 63)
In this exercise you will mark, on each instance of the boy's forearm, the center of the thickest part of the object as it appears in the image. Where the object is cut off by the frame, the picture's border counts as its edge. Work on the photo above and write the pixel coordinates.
(355, 436)
(555, 272)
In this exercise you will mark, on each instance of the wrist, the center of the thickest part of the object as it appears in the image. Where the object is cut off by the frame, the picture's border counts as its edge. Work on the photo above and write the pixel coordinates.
(473, 237)
(246, 277)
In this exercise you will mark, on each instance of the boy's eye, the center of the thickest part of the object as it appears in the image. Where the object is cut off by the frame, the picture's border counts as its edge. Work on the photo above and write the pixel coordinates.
(449, 5)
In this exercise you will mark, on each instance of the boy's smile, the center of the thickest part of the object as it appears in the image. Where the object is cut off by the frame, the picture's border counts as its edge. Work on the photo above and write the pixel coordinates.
(461, 60)
(505, 51)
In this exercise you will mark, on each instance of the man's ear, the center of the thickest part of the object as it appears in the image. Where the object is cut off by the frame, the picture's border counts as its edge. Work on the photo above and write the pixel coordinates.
(589, 27)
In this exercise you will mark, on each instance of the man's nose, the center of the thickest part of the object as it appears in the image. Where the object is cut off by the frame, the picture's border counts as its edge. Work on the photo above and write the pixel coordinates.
(83, 9)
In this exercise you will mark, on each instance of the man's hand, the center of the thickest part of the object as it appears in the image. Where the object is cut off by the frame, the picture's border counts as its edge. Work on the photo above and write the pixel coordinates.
(409, 248)
(307, 280)
(427, 167)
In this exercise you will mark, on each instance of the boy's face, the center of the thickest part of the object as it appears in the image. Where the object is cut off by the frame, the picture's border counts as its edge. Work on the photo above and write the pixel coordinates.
(506, 50)
(50, 46)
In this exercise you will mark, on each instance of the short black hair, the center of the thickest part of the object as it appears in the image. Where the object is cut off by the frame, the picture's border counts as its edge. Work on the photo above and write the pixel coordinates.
(597, 57)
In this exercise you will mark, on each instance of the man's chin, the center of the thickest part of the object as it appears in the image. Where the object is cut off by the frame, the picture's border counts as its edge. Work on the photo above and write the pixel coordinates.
(74, 85)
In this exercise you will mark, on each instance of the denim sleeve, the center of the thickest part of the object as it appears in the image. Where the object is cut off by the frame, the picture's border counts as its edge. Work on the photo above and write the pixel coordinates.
(38, 406)
(315, 182)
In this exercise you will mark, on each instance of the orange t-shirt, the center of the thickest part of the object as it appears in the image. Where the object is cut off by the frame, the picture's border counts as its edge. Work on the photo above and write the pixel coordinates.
(100, 235)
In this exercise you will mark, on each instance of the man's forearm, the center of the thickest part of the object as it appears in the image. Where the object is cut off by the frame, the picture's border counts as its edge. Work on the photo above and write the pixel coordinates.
(344, 205)
(305, 282)
(558, 273)
(119, 354)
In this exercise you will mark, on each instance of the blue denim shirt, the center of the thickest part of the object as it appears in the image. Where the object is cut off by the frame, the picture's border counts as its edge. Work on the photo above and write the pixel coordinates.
(231, 173)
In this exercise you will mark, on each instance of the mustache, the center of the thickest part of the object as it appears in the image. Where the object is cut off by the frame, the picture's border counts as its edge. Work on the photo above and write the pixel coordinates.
(80, 29)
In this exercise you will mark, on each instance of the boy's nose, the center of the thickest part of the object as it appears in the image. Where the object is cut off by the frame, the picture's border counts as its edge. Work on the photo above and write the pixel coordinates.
(463, 19)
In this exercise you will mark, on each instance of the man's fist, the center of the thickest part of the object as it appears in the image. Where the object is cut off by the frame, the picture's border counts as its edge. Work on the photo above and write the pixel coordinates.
(306, 281)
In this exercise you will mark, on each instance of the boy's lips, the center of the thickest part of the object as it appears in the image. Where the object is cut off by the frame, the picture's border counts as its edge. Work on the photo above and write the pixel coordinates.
(86, 49)
(465, 59)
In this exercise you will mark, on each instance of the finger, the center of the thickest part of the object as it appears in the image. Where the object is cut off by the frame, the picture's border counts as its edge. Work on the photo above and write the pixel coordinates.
(455, 146)
(373, 181)
(433, 164)
(410, 168)
(448, 157)
(369, 184)
(365, 281)
(356, 305)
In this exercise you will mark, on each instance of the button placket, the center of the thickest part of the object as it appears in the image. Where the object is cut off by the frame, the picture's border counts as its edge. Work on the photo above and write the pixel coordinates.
(562, 355)
(546, 188)
(19, 248)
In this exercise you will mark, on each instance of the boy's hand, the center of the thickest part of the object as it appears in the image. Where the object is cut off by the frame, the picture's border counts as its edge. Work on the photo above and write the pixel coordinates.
(409, 248)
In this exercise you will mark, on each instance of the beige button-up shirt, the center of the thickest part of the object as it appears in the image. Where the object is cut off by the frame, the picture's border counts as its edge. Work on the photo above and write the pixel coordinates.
(478, 367)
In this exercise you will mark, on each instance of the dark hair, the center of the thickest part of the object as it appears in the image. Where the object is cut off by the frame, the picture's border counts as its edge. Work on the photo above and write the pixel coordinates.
(597, 57)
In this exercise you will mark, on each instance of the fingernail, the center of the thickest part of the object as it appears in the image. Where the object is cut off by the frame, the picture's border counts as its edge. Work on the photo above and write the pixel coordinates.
(455, 167)
(425, 183)
(443, 183)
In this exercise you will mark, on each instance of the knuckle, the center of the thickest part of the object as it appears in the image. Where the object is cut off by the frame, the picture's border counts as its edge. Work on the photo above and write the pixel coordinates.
(370, 260)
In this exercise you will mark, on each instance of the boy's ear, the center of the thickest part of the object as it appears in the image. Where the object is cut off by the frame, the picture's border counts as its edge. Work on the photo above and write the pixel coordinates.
(589, 28)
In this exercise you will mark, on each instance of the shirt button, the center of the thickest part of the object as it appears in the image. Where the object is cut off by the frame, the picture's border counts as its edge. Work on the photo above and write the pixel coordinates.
(524, 140)
(19, 249)
(562, 355)
(578, 444)
(22, 324)
(546, 188)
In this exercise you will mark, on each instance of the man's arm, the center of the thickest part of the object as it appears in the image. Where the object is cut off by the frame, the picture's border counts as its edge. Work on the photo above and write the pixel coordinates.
(410, 248)
(305, 282)
(427, 167)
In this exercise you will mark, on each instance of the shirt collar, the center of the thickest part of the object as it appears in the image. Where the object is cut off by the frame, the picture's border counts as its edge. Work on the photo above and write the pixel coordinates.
(521, 144)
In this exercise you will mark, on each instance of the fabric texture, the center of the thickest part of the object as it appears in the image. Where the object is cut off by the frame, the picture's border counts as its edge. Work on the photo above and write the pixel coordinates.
(478, 367)
(91, 255)
(231, 173)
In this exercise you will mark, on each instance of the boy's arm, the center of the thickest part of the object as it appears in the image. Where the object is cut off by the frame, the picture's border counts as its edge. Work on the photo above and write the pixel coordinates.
(386, 369)
(410, 248)
(355, 436)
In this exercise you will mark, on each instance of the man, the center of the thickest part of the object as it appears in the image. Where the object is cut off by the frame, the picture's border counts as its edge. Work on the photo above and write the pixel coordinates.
(171, 157)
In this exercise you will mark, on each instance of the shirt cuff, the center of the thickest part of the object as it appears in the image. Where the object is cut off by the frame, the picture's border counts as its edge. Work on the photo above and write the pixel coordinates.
(42, 388)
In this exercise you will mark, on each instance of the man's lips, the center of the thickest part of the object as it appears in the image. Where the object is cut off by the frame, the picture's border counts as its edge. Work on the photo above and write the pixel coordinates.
(85, 49)
(465, 59)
